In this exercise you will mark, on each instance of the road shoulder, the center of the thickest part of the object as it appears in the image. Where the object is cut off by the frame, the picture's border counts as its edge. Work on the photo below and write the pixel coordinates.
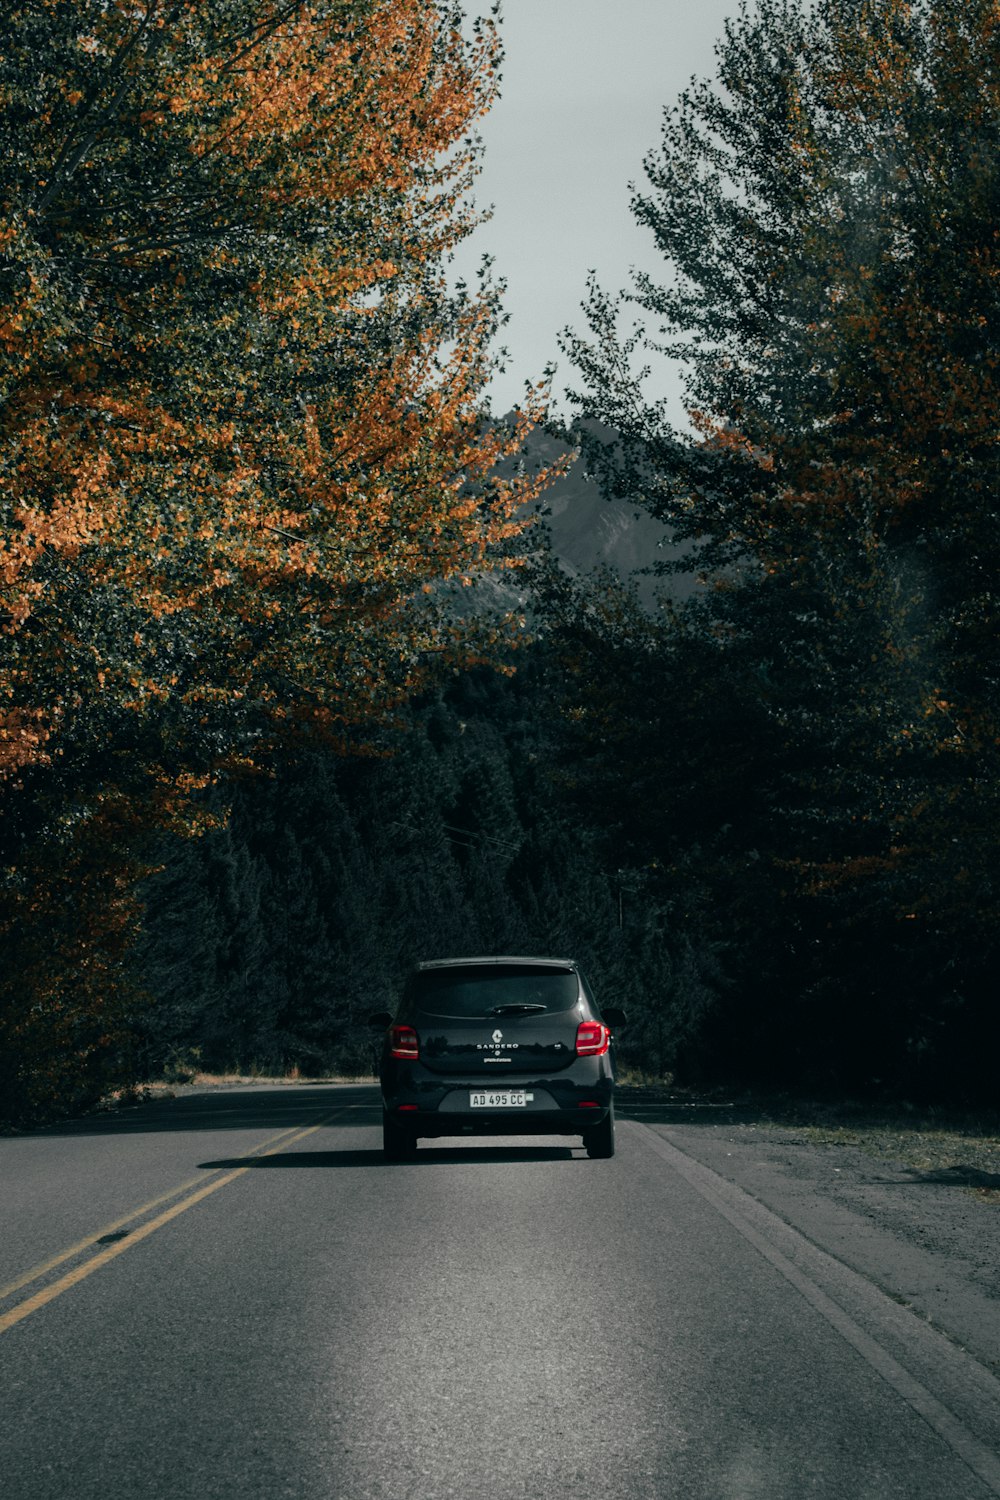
(930, 1245)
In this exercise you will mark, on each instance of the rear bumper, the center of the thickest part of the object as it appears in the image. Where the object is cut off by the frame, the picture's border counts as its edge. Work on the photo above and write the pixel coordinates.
(510, 1122)
(569, 1103)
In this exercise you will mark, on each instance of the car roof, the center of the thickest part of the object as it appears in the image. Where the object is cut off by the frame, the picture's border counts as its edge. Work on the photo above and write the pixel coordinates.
(491, 958)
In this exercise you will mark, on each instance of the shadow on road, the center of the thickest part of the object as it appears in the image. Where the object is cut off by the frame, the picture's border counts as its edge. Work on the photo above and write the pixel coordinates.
(296, 1159)
(430, 1155)
(426, 1156)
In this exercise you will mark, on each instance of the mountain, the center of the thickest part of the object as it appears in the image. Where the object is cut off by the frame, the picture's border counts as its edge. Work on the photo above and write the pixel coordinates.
(588, 529)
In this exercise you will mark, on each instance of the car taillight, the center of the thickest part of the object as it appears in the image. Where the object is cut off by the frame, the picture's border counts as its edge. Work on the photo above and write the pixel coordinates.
(592, 1039)
(403, 1042)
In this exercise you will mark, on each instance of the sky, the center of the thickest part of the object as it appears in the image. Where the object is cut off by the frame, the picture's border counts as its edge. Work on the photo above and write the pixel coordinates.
(584, 86)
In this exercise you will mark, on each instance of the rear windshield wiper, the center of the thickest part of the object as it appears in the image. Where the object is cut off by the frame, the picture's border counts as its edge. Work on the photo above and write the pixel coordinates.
(515, 1010)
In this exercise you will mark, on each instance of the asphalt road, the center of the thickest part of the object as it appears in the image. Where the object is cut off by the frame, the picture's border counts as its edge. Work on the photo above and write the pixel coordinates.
(231, 1296)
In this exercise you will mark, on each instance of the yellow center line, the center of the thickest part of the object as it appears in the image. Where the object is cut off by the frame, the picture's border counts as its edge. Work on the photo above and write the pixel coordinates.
(106, 1229)
(271, 1147)
(137, 1213)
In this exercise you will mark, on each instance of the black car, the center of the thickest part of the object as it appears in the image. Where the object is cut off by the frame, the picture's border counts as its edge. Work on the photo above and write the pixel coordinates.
(501, 1046)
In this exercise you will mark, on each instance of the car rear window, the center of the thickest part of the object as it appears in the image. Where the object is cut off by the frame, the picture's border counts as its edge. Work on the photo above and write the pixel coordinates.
(474, 990)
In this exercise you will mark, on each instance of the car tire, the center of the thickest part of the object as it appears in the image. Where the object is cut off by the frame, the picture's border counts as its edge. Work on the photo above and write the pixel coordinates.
(398, 1143)
(600, 1141)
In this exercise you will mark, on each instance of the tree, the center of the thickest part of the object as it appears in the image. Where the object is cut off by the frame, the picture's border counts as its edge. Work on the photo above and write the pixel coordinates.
(231, 429)
(335, 875)
(240, 432)
(827, 207)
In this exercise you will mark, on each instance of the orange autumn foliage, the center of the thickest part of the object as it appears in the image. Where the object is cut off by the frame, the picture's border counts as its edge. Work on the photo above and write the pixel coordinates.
(241, 441)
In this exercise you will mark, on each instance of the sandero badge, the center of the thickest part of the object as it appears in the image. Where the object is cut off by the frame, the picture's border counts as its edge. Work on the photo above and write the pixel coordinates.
(498, 1046)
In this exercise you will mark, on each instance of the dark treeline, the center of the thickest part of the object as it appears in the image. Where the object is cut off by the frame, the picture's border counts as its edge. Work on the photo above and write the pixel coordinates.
(651, 793)
(268, 941)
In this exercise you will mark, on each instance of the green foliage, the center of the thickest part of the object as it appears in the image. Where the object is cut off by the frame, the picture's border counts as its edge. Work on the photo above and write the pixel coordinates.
(241, 441)
(814, 740)
(334, 877)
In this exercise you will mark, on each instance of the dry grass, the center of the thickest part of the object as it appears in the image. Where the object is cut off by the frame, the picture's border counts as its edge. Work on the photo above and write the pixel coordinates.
(235, 1080)
(937, 1145)
(966, 1154)
(215, 1080)
(168, 1088)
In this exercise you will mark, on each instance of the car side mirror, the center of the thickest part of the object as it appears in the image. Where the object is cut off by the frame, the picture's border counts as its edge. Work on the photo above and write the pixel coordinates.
(614, 1015)
(380, 1019)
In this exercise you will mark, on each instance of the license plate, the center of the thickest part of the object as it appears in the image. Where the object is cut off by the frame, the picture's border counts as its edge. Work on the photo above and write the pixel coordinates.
(499, 1099)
